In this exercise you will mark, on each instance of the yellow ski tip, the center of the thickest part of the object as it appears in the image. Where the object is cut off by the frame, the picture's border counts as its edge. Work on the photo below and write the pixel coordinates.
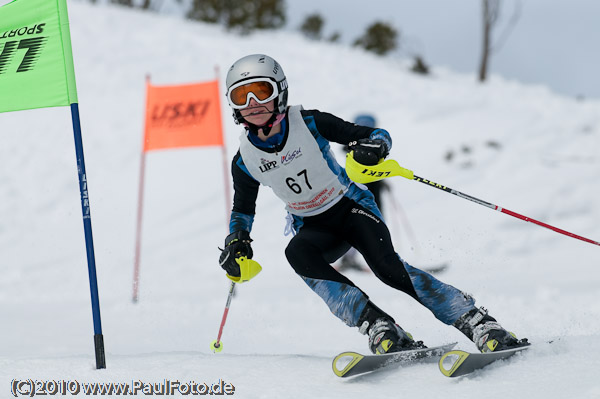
(346, 361)
(363, 174)
(248, 270)
(450, 361)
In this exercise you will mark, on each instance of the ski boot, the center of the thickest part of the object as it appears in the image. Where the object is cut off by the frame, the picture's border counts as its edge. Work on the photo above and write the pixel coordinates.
(487, 334)
(385, 336)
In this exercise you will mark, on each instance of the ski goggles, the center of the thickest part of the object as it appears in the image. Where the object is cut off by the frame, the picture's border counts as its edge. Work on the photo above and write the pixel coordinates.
(260, 89)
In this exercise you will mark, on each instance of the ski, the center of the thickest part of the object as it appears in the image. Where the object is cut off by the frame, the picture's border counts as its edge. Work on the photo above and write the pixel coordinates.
(457, 363)
(348, 364)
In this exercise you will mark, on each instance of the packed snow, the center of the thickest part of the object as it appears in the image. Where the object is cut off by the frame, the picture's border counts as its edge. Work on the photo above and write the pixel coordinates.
(520, 147)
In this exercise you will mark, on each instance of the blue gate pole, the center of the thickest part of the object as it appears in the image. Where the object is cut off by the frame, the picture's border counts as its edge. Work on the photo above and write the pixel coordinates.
(89, 243)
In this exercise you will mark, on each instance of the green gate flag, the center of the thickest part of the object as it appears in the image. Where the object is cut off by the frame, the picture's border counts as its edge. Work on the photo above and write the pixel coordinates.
(36, 61)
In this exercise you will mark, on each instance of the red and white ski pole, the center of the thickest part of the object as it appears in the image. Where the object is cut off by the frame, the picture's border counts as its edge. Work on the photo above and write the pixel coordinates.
(503, 210)
(367, 174)
(217, 345)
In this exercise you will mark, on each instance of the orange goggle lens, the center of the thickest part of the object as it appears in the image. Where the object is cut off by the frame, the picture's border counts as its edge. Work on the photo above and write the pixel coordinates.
(262, 90)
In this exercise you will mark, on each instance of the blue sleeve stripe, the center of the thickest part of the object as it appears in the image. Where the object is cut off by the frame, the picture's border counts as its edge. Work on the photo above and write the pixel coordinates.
(382, 135)
(312, 126)
(240, 164)
(240, 221)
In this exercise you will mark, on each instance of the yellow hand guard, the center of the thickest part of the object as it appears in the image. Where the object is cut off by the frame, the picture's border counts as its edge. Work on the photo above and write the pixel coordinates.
(248, 270)
(360, 173)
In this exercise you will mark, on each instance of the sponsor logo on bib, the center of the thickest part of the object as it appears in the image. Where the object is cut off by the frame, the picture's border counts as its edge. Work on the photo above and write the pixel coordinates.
(267, 165)
(291, 155)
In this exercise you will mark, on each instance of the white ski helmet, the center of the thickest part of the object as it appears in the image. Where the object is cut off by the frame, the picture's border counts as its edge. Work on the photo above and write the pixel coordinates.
(255, 68)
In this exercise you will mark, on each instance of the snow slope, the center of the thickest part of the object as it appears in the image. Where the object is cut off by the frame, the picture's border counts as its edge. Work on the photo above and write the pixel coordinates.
(520, 147)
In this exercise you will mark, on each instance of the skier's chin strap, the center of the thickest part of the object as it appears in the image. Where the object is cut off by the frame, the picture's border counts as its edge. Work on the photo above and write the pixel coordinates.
(266, 128)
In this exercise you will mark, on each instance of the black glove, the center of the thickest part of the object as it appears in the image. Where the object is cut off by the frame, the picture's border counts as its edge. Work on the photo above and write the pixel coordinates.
(369, 151)
(237, 244)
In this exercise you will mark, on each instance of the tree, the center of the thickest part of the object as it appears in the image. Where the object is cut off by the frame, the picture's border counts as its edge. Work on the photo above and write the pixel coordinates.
(420, 66)
(242, 15)
(269, 14)
(146, 4)
(334, 37)
(491, 13)
(126, 3)
(312, 26)
(379, 38)
(211, 11)
(491, 9)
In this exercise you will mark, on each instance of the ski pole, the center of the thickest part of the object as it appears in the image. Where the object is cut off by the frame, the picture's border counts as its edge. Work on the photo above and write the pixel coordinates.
(217, 345)
(248, 270)
(367, 174)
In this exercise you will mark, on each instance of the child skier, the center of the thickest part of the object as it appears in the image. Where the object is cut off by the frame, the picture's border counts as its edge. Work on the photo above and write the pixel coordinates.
(287, 149)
